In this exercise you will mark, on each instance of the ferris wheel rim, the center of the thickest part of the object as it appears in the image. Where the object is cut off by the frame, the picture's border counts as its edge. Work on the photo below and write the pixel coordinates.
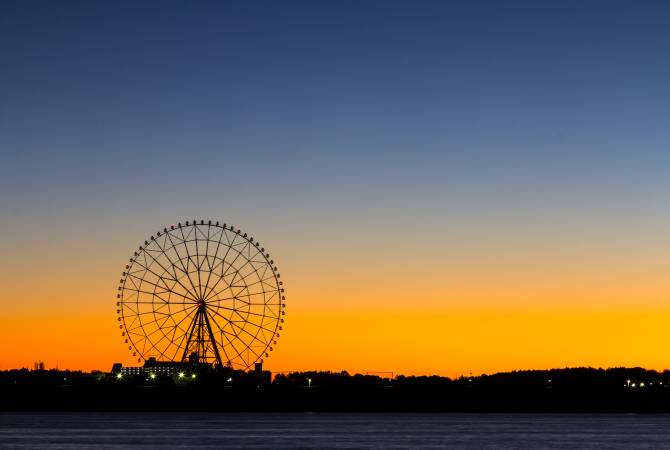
(191, 298)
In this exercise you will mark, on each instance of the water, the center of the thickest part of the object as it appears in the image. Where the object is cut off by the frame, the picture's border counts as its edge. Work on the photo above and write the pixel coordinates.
(150, 431)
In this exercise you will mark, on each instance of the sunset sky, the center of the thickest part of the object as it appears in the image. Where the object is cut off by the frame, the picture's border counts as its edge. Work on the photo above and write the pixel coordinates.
(447, 187)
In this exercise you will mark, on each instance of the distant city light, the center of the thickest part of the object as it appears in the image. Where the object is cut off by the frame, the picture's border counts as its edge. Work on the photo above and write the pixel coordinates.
(119, 375)
(230, 380)
(152, 376)
(181, 374)
(193, 376)
(641, 384)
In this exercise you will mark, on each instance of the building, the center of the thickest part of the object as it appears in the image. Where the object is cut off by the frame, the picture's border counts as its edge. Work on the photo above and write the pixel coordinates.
(153, 367)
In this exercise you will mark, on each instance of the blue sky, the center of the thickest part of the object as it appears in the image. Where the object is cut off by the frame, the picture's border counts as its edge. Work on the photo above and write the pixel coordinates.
(302, 116)
(135, 97)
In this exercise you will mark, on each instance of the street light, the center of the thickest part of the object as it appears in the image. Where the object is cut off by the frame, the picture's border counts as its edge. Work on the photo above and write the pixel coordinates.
(309, 382)
(181, 374)
(119, 376)
(193, 376)
(152, 376)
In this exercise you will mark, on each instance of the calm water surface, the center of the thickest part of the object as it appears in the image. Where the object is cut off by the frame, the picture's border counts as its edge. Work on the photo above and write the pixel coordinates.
(338, 431)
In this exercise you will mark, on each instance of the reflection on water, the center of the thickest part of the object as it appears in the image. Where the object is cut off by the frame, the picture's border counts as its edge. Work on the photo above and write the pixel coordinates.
(338, 430)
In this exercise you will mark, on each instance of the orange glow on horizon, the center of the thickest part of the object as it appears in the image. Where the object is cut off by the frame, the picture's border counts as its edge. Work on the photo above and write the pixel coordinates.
(449, 343)
(458, 304)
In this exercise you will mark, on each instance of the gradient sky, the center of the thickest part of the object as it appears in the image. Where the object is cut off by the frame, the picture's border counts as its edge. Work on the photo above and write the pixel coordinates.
(447, 187)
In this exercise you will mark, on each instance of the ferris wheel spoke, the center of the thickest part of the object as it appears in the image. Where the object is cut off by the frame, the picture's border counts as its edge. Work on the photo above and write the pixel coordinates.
(197, 260)
(152, 294)
(242, 278)
(231, 345)
(138, 281)
(215, 285)
(264, 282)
(253, 271)
(216, 302)
(234, 324)
(141, 327)
(224, 273)
(177, 326)
(165, 251)
(150, 312)
(188, 255)
(168, 290)
(248, 346)
(229, 322)
(187, 334)
(239, 269)
(153, 345)
(238, 252)
(235, 310)
(142, 324)
(170, 303)
(161, 278)
(260, 279)
(221, 262)
(246, 321)
(236, 336)
(216, 252)
(236, 339)
(223, 344)
(135, 317)
(230, 285)
(165, 336)
(145, 266)
(180, 260)
(204, 237)
(137, 323)
(267, 336)
(229, 245)
(157, 295)
(240, 294)
(261, 331)
(206, 254)
(237, 297)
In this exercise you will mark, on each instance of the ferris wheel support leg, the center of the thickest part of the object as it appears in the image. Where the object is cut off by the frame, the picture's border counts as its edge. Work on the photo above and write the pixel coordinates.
(192, 328)
(212, 340)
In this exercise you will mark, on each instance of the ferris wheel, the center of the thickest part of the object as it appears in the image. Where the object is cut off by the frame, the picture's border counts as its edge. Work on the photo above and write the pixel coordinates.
(201, 292)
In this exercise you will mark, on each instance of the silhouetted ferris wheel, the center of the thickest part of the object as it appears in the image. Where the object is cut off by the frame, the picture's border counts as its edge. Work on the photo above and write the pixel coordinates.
(201, 293)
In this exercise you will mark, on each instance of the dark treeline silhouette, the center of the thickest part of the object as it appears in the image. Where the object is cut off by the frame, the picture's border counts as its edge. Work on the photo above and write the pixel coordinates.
(556, 390)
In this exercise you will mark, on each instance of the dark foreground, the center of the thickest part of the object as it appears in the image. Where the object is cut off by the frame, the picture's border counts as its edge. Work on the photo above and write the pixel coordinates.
(112, 431)
(557, 391)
